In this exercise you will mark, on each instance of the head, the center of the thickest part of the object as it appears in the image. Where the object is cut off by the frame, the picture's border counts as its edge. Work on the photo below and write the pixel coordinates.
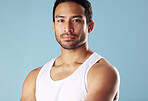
(71, 23)
(84, 3)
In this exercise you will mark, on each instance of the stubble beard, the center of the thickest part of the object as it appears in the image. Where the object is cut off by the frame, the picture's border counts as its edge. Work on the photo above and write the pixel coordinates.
(69, 44)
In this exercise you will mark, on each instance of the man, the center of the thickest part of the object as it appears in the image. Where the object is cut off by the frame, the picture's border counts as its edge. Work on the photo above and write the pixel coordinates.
(78, 74)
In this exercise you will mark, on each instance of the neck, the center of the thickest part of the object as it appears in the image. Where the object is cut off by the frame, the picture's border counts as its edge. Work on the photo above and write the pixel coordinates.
(79, 54)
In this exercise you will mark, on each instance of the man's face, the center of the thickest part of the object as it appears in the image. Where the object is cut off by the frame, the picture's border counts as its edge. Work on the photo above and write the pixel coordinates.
(70, 27)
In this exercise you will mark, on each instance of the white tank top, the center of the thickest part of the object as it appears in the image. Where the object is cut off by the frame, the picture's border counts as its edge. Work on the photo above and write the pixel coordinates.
(72, 88)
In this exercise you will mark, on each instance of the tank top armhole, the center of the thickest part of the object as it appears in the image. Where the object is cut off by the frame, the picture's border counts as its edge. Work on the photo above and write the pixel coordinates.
(94, 59)
(46, 67)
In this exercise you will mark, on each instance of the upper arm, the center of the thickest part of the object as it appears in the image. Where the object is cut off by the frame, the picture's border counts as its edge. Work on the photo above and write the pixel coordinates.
(28, 89)
(103, 83)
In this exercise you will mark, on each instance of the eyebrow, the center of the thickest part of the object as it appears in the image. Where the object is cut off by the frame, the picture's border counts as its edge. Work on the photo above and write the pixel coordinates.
(76, 16)
(59, 16)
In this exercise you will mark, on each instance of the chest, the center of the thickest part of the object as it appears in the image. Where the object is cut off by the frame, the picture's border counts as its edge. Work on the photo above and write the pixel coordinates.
(68, 83)
(63, 71)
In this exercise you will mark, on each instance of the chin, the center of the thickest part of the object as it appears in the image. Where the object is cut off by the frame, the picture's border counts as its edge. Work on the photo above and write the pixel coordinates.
(71, 47)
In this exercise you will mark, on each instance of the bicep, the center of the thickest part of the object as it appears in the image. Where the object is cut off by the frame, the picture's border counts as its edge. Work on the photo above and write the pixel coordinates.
(28, 89)
(104, 85)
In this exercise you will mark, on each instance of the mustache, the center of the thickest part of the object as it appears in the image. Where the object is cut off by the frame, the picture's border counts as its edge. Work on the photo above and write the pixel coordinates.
(69, 33)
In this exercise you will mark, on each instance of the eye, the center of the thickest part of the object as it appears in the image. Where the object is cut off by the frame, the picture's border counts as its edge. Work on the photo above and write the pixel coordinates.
(76, 20)
(60, 20)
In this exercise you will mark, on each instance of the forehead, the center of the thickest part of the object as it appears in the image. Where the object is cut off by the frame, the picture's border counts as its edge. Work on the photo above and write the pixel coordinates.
(69, 9)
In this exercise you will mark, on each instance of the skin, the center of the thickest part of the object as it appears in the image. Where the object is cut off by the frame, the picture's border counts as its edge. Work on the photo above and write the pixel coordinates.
(71, 31)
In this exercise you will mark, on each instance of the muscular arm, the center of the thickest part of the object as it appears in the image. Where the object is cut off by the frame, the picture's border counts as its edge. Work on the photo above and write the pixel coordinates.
(28, 90)
(103, 83)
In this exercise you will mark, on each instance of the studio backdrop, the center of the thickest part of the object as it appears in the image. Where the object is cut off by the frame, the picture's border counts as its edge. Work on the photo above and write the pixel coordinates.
(27, 41)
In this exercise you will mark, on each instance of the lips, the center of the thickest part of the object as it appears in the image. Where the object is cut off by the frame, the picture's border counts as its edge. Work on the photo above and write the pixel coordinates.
(68, 37)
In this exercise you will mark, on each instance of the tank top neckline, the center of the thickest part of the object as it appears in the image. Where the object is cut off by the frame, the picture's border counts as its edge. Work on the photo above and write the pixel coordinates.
(74, 73)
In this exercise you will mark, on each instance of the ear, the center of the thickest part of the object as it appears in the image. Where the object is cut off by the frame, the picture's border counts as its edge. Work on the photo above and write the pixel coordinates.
(90, 26)
(53, 26)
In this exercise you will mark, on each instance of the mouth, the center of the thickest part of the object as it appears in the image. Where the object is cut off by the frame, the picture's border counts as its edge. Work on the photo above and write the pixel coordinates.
(68, 37)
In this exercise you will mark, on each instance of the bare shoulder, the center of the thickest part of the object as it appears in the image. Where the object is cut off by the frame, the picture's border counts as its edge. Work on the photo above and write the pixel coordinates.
(28, 89)
(34, 73)
(104, 69)
(32, 76)
(103, 80)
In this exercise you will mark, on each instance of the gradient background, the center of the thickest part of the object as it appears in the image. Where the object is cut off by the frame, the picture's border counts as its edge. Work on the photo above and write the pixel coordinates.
(120, 35)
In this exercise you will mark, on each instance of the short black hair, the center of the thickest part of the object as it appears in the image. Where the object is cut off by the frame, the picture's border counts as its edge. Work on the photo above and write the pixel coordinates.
(84, 3)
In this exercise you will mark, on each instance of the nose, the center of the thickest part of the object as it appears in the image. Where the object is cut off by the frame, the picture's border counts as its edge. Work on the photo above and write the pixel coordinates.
(68, 27)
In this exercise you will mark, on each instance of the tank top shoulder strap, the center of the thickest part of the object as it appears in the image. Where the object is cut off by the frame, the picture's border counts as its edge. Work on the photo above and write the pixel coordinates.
(93, 59)
(45, 69)
(49, 64)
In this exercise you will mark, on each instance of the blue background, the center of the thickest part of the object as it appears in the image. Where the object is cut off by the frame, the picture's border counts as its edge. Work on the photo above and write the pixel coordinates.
(120, 35)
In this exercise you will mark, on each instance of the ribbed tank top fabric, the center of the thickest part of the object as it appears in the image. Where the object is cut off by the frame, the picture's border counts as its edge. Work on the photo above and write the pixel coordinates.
(72, 88)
